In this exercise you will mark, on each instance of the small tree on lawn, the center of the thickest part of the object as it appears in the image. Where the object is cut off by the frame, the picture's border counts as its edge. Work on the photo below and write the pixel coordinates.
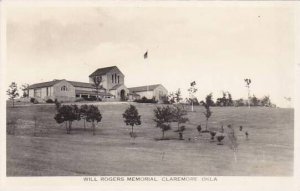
(12, 92)
(67, 114)
(192, 90)
(208, 102)
(131, 117)
(179, 114)
(163, 118)
(83, 113)
(93, 115)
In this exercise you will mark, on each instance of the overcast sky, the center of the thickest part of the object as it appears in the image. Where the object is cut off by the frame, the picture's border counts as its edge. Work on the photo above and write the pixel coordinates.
(215, 46)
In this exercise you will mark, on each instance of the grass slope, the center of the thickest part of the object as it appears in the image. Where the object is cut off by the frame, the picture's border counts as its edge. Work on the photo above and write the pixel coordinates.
(268, 152)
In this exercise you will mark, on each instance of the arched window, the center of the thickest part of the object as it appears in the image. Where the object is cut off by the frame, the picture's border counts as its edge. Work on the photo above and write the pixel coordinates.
(64, 88)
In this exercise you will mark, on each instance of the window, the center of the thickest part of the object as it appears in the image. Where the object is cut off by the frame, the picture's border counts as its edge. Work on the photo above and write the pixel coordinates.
(37, 92)
(115, 78)
(112, 78)
(47, 90)
(64, 88)
(118, 79)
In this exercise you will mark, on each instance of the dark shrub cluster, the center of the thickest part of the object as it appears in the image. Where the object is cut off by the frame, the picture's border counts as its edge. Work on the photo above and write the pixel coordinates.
(146, 100)
(49, 101)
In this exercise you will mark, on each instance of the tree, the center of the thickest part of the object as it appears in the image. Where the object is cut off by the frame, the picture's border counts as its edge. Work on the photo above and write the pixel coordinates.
(83, 113)
(248, 82)
(208, 102)
(266, 101)
(67, 114)
(163, 118)
(97, 84)
(192, 90)
(178, 113)
(254, 100)
(240, 102)
(178, 97)
(24, 88)
(93, 115)
(12, 92)
(171, 98)
(229, 100)
(131, 117)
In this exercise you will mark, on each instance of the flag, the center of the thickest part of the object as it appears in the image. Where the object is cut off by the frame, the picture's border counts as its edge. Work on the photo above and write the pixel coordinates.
(193, 83)
(146, 55)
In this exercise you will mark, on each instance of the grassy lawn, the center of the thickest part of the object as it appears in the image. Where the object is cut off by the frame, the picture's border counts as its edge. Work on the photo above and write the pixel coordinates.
(268, 152)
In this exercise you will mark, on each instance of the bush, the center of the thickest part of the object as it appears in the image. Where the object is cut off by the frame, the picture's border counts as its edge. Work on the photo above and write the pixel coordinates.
(32, 100)
(91, 99)
(49, 101)
(79, 100)
(146, 100)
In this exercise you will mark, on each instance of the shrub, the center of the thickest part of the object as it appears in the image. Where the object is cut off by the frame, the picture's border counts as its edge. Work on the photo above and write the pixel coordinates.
(35, 101)
(49, 101)
(79, 99)
(32, 100)
(146, 100)
(57, 104)
(91, 99)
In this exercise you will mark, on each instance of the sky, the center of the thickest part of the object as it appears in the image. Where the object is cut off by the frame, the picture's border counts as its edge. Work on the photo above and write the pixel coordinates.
(216, 46)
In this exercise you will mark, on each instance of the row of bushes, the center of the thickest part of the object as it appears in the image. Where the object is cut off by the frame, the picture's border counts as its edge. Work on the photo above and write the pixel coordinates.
(35, 101)
(146, 100)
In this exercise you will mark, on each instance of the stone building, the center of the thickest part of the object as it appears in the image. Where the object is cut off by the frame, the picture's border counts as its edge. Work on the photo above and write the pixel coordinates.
(111, 88)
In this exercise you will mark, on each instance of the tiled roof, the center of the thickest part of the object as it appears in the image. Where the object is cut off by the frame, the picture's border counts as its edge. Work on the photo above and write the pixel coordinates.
(102, 71)
(81, 84)
(51, 83)
(43, 84)
(143, 88)
(116, 86)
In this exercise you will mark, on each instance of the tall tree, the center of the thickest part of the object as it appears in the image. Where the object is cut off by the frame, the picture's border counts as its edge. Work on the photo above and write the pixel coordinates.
(12, 92)
(97, 84)
(192, 90)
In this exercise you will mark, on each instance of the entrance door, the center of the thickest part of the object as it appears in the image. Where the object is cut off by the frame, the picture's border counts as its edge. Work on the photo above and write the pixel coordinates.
(122, 95)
